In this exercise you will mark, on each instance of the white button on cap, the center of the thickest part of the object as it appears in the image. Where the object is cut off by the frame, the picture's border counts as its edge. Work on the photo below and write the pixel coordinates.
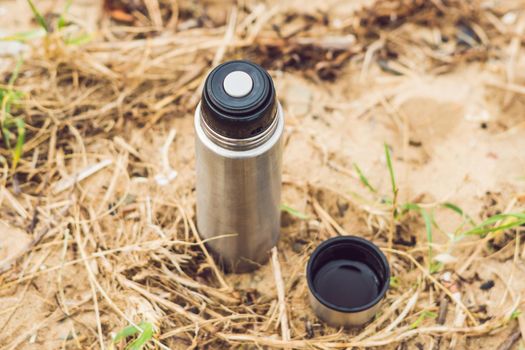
(238, 84)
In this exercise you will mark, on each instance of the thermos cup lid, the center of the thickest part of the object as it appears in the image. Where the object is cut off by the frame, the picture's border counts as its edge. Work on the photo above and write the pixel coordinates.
(238, 100)
(347, 277)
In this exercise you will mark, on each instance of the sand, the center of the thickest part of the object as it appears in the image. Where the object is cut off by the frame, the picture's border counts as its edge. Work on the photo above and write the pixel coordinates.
(91, 241)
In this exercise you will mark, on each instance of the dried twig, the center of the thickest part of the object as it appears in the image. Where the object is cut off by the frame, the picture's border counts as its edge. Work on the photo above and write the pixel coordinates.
(511, 340)
(69, 182)
(279, 284)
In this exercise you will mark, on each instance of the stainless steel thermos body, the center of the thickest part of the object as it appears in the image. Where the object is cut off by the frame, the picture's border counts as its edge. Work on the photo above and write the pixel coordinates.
(239, 126)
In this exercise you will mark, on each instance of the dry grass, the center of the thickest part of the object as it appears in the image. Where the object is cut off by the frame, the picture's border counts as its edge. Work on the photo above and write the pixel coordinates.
(103, 195)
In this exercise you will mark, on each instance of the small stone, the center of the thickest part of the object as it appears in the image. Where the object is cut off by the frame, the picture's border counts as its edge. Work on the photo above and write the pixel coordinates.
(297, 247)
(487, 285)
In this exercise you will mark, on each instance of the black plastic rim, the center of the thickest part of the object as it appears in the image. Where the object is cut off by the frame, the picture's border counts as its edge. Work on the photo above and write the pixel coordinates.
(239, 117)
(357, 242)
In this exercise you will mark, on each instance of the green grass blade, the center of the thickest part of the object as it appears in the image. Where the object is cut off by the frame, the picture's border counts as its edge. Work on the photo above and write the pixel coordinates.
(9, 97)
(6, 135)
(38, 16)
(79, 40)
(143, 339)
(25, 36)
(459, 211)
(20, 140)
(390, 169)
(454, 208)
(394, 281)
(515, 314)
(294, 212)
(14, 75)
(426, 314)
(410, 206)
(62, 22)
(483, 228)
(126, 332)
(363, 179)
(428, 228)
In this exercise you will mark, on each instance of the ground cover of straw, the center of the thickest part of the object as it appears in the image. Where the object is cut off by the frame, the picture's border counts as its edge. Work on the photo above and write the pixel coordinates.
(404, 125)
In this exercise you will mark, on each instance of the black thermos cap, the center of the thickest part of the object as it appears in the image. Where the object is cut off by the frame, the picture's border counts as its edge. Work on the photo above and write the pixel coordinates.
(238, 100)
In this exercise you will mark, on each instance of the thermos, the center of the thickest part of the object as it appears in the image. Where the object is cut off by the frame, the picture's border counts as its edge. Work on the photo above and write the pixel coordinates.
(239, 126)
